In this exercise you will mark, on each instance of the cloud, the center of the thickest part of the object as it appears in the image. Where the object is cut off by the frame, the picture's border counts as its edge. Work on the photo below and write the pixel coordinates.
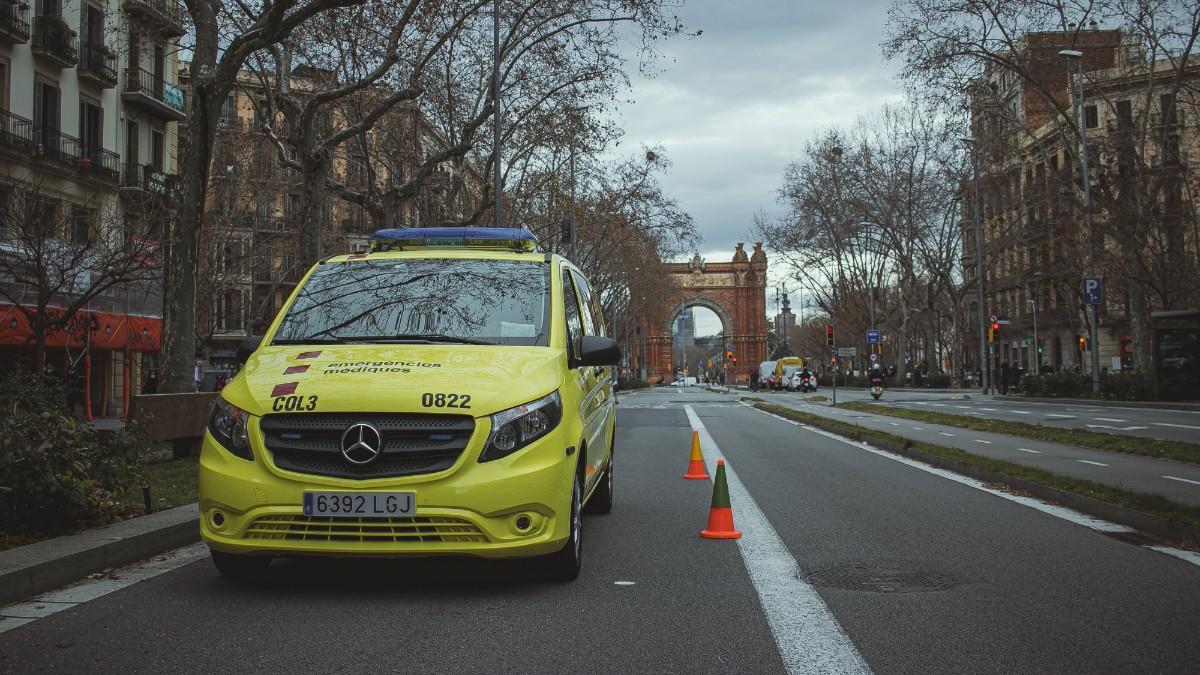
(734, 106)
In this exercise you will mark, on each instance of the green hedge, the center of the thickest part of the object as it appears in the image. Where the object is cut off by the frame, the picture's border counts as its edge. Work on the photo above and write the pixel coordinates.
(58, 473)
(1113, 386)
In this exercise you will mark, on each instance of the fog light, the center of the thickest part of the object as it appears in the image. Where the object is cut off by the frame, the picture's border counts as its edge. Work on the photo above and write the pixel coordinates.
(524, 522)
(218, 518)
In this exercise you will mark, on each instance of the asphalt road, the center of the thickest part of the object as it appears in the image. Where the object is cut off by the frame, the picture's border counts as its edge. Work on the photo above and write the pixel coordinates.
(847, 554)
(1159, 422)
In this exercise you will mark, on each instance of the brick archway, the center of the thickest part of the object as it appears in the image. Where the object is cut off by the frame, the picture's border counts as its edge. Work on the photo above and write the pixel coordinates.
(735, 291)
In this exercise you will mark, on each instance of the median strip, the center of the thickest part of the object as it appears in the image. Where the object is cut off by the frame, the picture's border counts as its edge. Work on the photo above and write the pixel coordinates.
(1149, 513)
(1130, 445)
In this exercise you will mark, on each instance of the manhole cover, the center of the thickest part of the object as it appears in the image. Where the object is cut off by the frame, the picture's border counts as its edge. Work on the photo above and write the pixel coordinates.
(878, 580)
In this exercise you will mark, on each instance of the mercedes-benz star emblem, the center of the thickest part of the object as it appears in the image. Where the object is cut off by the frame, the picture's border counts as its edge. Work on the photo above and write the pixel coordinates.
(361, 443)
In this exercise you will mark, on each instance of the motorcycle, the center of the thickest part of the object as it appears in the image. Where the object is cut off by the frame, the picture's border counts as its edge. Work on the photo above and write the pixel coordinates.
(808, 384)
(876, 387)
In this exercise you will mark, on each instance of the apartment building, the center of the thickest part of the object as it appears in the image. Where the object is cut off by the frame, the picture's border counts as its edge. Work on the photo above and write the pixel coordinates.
(89, 106)
(1035, 242)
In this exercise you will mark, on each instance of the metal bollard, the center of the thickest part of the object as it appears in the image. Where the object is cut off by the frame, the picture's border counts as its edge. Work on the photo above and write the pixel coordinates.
(146, 498)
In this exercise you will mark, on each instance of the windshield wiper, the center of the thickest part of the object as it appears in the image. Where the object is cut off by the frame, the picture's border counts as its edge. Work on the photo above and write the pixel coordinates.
(433, 337)
(308, 341)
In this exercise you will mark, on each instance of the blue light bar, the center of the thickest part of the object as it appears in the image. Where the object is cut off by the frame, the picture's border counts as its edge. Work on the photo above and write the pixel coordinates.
(515, 238)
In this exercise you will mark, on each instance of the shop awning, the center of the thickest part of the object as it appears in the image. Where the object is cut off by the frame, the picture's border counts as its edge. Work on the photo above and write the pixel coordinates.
(103, 330)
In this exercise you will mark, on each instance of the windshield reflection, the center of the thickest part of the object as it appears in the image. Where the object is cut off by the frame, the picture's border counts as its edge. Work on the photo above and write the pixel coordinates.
(442, 300)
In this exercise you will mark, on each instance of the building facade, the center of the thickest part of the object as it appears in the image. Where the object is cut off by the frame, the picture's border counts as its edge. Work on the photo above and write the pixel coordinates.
(89, 108)
(1140, 130)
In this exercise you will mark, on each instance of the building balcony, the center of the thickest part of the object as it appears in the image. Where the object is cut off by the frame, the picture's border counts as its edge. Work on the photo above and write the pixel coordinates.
(100, 164)
(144, 180)
(57, 148)
(16, 133)
(154, 94)
(98, 64)
(55, 41)
(163, 16)
(14, 24)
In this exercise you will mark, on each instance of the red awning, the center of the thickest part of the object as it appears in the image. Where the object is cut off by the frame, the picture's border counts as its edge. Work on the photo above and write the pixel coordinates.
(102, 329)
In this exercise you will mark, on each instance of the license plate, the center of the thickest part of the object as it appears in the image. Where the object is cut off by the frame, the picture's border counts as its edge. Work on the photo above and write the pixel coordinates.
(360, 504)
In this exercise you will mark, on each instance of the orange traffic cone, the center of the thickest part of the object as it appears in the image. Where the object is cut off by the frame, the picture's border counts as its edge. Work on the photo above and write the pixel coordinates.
(720, 514)
(696, 468)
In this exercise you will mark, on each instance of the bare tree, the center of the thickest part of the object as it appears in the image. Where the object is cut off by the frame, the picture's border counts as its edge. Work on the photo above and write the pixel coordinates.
(57, 257)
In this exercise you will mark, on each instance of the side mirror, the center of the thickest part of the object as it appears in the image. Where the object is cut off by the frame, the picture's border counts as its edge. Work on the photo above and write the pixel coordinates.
(248, 347)
(599, 351)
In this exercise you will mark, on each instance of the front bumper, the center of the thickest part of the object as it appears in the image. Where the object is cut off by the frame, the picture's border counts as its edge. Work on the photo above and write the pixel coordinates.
(254, 508)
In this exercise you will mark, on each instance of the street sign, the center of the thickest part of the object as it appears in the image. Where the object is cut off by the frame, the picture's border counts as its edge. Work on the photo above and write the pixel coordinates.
(1093, 291)
(728, 346)
(847, 351)
(1004, 322)
(874, 357)
(872, 337)
(833, 351)
(1028, 340)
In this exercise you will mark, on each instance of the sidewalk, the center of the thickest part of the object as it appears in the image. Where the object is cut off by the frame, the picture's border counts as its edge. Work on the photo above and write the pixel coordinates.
(26, 571)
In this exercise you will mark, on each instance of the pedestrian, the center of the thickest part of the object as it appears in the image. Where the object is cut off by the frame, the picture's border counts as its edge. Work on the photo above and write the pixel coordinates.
(1004, 374)
(151, 385)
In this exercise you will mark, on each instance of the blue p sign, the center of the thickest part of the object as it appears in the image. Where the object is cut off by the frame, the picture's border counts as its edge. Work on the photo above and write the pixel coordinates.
(1093, 291)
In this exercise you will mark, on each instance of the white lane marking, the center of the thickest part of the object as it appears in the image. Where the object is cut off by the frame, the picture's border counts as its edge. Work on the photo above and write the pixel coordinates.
(1109, 426)
(918, 429)
(940, 405)
(1034, 452)
(963, 407)
(1109, 419)
(808, 636)
(1021, 412)
(66, 598)
(980, 440)
(1066, 417)
(1070, 515)
(1189, 556)
(624, 583)
(895, 424)
(946, 434)
(1177, 426)
(989, 409)
(1183, 480)
(1088, 461)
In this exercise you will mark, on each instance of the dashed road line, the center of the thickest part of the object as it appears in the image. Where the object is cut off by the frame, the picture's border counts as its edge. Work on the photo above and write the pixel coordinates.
(1021, 412)
(980, 440)
(1088, 461)
(1176, 426)
(918, 429)
(808, 635)
(1108, 419)
(946, 434)
(1032, 452)
(1183, 480)
(1065, 417)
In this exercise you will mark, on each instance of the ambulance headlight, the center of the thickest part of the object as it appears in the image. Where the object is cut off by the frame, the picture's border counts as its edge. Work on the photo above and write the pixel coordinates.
(227, 424)
(517, 427)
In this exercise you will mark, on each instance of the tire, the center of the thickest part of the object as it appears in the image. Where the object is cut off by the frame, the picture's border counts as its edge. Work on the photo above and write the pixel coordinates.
(243, 568)
(601, 502)
(564, 565)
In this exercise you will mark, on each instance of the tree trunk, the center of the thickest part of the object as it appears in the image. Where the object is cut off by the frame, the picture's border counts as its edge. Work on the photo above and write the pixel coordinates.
(1139, 319)
(312, 198)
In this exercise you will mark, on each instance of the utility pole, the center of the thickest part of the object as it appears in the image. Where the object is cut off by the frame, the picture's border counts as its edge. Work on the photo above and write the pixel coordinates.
(985, 355)
(573, 223)
(497, 176)
(1037, 353)
(1094, 310)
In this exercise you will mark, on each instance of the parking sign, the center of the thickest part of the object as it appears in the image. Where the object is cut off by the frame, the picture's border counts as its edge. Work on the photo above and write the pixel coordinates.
(872, 337)
(1093, 291)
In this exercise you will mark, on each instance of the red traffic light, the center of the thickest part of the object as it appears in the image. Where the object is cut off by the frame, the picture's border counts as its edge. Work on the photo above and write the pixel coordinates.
(829, 330)
(996, 326)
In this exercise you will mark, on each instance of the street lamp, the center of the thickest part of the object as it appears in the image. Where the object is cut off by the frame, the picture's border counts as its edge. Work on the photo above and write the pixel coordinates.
(1037, 348)
(984, 348)
(1094, 313)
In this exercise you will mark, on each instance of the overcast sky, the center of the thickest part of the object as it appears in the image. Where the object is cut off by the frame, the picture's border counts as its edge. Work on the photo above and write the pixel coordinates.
(733, 106)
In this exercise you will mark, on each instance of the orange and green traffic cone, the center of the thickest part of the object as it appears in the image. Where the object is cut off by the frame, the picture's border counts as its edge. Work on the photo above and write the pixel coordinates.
(696, 468)
(720, 514)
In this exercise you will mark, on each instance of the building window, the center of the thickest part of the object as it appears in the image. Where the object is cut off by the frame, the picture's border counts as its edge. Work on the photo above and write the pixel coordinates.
(1166, 104)
(81, 226)
(1124, 115)
(1090, 118)
(91, 127)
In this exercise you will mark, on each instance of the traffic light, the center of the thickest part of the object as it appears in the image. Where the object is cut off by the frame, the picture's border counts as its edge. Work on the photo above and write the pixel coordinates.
(995, 326)
(1082, 342)
(829, 335)
(992, 333)
(729, 355)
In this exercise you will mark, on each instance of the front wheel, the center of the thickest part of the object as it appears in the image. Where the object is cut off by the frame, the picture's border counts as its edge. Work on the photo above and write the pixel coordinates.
(565, 564)
(601, 502)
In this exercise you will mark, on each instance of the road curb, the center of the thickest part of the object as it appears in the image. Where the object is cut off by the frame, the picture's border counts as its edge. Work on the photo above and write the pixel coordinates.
(1152, 525)
(28, 570)
(1157, 405)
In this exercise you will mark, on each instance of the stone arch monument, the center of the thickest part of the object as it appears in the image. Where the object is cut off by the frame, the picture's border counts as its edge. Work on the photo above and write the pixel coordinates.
(735, 291)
